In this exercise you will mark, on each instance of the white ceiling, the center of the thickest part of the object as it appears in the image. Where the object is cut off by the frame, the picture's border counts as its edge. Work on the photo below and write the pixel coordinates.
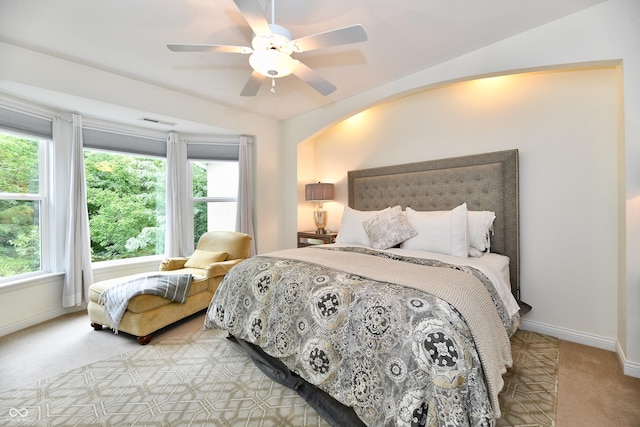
(129, 37)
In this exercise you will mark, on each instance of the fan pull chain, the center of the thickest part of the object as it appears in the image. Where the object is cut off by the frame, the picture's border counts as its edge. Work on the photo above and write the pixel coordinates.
(273, 85)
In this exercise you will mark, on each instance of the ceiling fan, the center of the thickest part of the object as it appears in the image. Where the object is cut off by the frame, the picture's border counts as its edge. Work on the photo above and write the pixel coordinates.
(272, 47)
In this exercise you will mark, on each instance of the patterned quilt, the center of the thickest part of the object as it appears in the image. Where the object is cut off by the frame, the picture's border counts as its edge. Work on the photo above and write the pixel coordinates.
(404, 341)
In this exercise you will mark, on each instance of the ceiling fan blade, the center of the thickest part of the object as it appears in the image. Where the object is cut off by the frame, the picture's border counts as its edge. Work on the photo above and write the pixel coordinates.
(253, 84)
(255, 17)
(340, 36)
(313, 79)
(209, 48)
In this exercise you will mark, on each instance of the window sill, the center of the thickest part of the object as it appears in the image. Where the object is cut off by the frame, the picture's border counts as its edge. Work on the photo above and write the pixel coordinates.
(99, 268)
(107, 265)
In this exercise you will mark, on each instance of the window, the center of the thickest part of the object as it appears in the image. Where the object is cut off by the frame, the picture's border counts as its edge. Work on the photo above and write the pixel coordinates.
(25, 189)
(126, 190)
(215, 192)
(215, 177)
(126, 204)
(23, 193)
(126, 193)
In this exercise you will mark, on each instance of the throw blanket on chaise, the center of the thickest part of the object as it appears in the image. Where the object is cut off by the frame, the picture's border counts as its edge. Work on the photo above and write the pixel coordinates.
(115, 299)
(399, 340)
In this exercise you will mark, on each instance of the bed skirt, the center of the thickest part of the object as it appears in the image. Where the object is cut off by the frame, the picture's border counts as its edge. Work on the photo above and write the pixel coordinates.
(334, 412)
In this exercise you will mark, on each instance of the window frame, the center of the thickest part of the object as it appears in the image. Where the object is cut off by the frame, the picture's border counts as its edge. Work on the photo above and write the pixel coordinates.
(118, 138)
(211, 199)
(114, 151)
(44, 196)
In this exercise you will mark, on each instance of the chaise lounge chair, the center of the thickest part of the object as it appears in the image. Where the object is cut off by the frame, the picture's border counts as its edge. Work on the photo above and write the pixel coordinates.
(216, 253)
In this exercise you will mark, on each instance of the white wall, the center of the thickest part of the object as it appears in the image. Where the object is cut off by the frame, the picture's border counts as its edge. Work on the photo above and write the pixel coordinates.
(564, 125)
(607, 33)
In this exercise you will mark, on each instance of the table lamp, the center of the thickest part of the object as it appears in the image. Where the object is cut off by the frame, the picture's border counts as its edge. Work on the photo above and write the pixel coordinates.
(320, 192)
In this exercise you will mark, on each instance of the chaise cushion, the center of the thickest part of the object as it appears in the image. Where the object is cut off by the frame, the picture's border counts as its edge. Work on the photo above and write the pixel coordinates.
(143, 303)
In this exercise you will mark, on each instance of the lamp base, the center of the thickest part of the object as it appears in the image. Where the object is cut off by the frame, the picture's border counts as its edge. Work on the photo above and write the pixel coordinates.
(320, 219)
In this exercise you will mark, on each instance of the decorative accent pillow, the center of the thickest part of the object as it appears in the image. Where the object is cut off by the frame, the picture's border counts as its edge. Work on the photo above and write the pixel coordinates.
(173, 263)
(443, 232)
(352, 231)
(202, 259)
(388, 228)
(480, 226)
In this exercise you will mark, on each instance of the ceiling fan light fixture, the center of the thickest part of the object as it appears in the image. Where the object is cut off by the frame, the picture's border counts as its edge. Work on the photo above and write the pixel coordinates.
(272, 63)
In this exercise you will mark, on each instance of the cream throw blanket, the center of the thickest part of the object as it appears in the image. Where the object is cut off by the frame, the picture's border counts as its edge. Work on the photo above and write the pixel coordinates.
(463, 291)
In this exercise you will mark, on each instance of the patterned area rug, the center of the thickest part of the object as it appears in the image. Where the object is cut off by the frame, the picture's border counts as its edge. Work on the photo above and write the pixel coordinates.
(531, 385)
(205, 379)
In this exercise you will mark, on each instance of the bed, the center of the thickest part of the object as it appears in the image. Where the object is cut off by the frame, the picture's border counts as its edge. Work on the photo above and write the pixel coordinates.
(406, 319)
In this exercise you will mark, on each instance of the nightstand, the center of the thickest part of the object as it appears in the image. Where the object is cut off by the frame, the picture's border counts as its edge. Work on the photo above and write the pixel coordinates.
(308, 238)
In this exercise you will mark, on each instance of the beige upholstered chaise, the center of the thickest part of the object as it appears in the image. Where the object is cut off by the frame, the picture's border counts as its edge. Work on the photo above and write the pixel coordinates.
(215, 254)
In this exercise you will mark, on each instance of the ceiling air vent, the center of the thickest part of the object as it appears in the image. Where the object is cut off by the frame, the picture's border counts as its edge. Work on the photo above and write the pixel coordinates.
(156, 121)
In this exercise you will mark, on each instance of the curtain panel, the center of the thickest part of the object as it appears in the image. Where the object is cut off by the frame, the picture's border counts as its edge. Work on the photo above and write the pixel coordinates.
(78, 273)
(179, 215)
(244, 216)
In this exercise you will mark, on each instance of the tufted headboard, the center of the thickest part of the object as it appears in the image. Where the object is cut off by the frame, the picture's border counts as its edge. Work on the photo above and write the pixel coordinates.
(484, 181)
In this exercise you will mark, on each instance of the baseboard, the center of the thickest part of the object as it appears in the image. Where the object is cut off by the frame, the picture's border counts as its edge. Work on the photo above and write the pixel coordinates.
(40, 318)
(629, 368)
(570, 335)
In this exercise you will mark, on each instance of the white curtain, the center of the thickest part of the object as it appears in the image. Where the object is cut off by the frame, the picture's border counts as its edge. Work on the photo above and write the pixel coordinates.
(78, 273)
(244, 216)
(179, 215)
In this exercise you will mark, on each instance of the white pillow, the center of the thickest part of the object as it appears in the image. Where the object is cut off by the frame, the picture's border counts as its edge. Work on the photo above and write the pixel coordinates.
(480, 226)
(388, 228)
(444, 232)
(475, 253)
(352, 231)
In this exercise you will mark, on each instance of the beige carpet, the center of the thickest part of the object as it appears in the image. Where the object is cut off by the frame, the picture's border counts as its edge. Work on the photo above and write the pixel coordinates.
(593, 390)
(204, 379)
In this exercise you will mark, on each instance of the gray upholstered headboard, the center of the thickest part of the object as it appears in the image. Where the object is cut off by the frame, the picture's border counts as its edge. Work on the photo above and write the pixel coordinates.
(484, 181)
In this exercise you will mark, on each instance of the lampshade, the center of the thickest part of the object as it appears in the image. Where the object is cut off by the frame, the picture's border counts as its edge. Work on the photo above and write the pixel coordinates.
(272, 63)
(318, 192)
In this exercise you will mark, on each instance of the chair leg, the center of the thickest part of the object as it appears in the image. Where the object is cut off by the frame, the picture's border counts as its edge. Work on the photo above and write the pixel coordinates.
(144, 340)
